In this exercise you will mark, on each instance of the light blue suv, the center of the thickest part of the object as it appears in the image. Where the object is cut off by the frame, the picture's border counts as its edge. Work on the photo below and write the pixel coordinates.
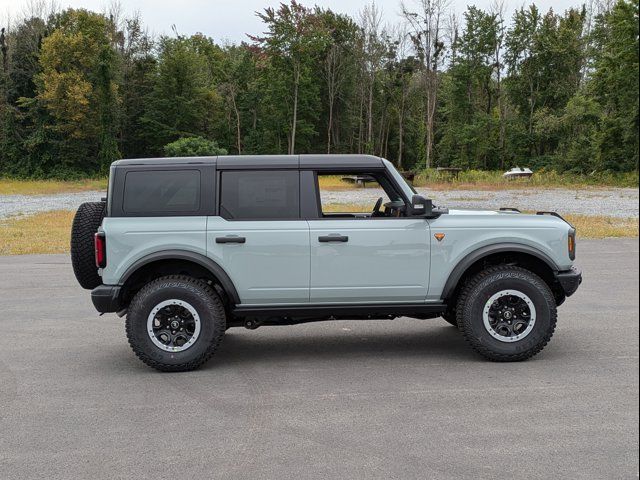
(189, 247)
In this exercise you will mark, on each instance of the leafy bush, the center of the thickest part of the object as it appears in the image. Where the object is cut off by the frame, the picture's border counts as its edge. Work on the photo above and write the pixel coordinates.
(193, 147)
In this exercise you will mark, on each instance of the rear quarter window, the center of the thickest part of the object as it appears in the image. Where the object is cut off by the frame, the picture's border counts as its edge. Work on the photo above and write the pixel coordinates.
(250, 195)
(162, 191)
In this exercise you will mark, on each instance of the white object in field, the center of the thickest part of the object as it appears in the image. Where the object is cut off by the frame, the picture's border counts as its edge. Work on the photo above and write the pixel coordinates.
(518, 172)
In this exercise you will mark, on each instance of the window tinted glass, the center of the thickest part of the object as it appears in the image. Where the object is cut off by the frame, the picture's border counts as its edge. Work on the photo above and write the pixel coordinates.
(338, 192)
(176, 191)
(260, 194)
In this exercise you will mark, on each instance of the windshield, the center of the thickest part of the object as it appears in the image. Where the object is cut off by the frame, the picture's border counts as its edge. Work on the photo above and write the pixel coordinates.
(407, 188)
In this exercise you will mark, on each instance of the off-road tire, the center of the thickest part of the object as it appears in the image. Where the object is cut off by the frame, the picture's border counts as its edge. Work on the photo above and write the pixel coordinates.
(450, 317)
(197, 293)
(85, 224)
(477, 292)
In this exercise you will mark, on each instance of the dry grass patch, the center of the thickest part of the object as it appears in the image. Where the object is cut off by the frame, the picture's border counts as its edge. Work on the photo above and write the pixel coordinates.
(48, 187)
(604, 227)
(347, 208)
(335, 182)
(47, 232)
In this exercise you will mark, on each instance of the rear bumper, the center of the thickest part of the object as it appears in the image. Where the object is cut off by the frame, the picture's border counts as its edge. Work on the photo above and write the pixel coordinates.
(106, 298)
(570, 280)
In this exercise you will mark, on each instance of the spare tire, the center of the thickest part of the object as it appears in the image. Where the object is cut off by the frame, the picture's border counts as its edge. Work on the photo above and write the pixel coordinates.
(85, 224)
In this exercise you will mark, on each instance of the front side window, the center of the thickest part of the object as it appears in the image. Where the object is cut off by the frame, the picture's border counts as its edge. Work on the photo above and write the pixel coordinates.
(358, 194)
(260, 195)
(162, 191)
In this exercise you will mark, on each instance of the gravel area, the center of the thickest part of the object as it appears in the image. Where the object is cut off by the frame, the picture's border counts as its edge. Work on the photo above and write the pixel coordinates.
(29, 204)
(612, 202)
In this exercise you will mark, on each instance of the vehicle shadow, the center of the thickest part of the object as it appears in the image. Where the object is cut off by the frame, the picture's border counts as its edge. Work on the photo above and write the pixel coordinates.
(281, 344)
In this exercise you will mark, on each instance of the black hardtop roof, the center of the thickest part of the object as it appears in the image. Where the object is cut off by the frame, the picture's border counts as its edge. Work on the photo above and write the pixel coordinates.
(264, 161)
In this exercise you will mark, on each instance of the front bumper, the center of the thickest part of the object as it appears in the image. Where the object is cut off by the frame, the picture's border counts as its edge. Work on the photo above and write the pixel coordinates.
(106, 298)
(570, 280)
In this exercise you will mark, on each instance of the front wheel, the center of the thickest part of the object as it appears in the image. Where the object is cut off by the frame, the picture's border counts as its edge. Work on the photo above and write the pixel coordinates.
(450, 316)
(507, 313)
(175, 323)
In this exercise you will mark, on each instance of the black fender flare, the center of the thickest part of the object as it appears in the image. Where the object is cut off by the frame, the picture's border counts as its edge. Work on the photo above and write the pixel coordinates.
(462, 266)
(216, 270)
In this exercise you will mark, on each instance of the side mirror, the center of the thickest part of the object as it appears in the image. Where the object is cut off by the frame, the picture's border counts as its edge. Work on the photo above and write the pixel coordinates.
(420, 206)
(423, 207)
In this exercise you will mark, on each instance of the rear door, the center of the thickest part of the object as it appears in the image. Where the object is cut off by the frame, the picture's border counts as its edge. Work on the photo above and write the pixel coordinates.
(360, 258)
(258, 236)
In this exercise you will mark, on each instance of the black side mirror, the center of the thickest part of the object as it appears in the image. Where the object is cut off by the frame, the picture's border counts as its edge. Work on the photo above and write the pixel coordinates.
(423, 207)
(420, 206)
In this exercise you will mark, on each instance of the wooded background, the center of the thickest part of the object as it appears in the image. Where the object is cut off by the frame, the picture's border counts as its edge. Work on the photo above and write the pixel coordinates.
(79, 89)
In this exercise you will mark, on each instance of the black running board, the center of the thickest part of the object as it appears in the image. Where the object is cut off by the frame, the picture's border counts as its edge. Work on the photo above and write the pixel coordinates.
(386, 310)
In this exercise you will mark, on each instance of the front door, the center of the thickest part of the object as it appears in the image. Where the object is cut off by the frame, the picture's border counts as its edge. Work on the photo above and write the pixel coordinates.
(259, 238)
(369, 260)
(367, 252)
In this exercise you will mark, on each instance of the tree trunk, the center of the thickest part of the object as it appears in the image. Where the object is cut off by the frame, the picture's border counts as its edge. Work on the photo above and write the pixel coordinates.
(431, 103)
(501, 120)
(238, 134)
(400, 132)
(330, 125)
(370, 118)
(360, 122)
(296, 82)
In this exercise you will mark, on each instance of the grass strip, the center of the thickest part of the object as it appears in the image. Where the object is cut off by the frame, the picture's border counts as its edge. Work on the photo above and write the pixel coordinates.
(49, 232)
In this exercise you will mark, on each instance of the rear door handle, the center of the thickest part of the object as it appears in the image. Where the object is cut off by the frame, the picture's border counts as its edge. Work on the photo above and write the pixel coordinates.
(230, 239)
(333, 238)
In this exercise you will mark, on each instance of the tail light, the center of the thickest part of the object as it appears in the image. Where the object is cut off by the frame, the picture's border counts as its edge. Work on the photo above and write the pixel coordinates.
(101, 249)
(572, 245)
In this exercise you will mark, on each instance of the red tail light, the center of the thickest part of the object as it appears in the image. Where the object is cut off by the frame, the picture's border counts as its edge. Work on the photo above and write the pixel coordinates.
(101, 250)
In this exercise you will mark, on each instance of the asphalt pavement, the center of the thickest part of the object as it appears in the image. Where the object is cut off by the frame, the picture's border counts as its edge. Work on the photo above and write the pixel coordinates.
(401, 399)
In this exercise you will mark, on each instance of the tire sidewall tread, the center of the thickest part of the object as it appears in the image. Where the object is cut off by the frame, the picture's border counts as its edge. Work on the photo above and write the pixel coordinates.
(476, 293)
(86, 222)
(210, 310)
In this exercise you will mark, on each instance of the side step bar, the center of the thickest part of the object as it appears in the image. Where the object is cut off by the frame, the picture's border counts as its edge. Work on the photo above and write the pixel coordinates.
(345, 311)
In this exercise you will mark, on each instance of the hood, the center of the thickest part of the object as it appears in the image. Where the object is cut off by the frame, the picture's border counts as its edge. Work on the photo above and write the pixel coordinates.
(479, 212)
(540, 216)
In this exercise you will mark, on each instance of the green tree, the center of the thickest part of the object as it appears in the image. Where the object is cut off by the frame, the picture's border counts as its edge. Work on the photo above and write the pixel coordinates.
(183, 100)
(470, 135)
(614, 85)
(193, 147)
(237, 89)
(77, 90)
(545, 56)
(24, 57)
(337, 64)
(138, 65)
(294, 39)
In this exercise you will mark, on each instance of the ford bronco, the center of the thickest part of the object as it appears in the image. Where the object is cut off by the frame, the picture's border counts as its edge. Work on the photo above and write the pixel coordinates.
(189, 247)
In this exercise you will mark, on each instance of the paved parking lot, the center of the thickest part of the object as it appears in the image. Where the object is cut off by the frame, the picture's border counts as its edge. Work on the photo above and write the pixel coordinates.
(398, 399)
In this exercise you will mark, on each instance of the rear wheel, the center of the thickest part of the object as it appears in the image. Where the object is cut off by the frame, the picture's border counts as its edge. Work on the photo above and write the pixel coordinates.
(175, 323)
(507, 313)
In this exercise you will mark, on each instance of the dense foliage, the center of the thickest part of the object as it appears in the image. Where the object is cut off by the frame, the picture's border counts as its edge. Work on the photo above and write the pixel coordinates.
(193, 147)
(79, 89)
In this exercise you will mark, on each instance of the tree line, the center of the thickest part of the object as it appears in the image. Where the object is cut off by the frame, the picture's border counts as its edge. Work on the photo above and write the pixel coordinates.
(79, 89)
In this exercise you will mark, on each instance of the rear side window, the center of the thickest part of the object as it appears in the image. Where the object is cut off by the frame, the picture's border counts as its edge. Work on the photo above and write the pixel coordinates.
(260, 195)
(156, 191)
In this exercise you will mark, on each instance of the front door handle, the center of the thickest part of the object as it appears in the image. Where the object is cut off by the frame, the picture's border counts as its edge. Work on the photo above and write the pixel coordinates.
(333, 238)
(230, 239)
